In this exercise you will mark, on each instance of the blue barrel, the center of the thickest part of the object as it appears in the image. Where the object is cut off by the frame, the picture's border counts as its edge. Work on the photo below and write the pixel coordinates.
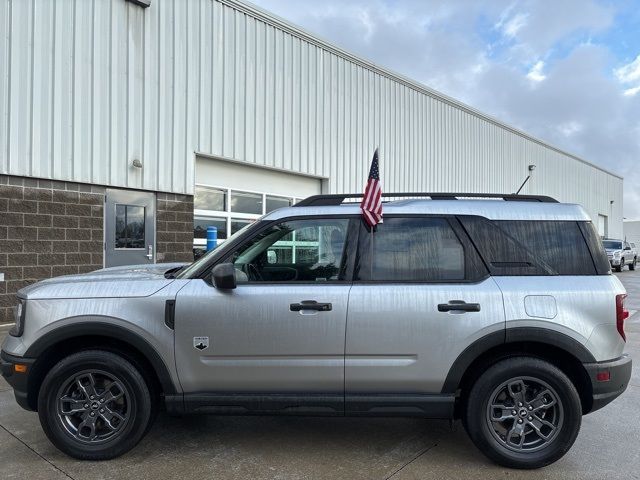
(212, 237)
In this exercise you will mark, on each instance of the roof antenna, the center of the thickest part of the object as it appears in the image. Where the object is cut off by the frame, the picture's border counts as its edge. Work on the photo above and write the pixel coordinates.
(531, 169)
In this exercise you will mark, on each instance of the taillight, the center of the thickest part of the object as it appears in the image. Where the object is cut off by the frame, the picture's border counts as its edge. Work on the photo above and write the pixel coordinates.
(621, 314)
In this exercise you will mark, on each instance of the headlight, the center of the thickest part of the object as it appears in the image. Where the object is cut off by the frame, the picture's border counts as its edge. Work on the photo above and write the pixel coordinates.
(18, 313)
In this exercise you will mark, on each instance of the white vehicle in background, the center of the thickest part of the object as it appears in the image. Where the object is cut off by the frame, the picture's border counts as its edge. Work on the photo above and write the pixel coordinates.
(620, 254)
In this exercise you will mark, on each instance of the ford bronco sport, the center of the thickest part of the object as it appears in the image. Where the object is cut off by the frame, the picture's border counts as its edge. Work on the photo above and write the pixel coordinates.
(501, 311)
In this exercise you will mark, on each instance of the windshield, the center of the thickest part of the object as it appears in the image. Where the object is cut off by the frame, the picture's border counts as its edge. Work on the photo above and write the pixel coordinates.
(211, 255)
(612, 245)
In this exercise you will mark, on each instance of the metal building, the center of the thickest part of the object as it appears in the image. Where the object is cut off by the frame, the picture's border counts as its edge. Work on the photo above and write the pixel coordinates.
(632, 232)
(133, 107)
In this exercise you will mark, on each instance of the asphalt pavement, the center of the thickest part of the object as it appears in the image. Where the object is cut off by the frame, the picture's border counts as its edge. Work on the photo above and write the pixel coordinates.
(207, 447)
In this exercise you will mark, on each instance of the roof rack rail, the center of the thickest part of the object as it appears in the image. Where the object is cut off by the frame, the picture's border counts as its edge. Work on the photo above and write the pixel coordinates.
(339, 198)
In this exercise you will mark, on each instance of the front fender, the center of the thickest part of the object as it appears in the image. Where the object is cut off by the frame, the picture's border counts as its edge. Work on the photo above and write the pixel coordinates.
(86, 327)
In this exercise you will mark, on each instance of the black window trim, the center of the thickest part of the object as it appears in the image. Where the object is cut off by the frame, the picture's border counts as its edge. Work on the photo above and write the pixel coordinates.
(350, 247)
(458, 231)
(582, 225)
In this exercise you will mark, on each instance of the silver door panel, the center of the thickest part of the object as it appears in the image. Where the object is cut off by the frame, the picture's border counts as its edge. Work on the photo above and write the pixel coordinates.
(398, 341)
(256, 344)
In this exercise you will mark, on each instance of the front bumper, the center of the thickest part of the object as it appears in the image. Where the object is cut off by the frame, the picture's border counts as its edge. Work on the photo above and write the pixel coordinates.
(614, 261)
(604, 392)
(19, 381)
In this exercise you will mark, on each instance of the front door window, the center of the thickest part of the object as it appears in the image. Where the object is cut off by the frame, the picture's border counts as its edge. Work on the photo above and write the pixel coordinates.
(294, 251)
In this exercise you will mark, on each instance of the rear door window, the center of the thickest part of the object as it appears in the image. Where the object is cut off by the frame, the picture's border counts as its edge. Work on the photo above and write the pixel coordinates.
(415, 249)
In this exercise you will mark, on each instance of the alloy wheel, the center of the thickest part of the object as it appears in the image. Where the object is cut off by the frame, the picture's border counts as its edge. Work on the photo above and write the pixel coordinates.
(524, 414)
(93, 406)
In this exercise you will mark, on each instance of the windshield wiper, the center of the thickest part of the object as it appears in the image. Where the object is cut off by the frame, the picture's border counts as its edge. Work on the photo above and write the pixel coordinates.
(173, 272)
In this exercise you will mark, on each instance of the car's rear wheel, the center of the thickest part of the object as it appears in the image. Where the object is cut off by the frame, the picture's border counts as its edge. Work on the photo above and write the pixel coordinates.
(523, 413)
(94, 405)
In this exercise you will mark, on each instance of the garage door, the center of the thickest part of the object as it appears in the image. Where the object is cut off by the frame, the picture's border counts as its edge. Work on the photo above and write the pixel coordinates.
(229, 195)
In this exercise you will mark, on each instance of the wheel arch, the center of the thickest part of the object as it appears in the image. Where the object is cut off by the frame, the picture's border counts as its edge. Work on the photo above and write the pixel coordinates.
(554, 347)
(52, 347)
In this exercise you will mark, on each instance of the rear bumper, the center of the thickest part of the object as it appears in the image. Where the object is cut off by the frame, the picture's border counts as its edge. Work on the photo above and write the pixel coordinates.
(19, 381)
(605, 392)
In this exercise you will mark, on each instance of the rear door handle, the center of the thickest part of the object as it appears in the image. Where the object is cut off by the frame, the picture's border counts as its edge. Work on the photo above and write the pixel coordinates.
(459, 306)
(310, 305)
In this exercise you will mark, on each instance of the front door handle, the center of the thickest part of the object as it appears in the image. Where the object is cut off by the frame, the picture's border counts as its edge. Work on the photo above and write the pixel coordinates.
(149, 254)
(310, 305)
(458, 306)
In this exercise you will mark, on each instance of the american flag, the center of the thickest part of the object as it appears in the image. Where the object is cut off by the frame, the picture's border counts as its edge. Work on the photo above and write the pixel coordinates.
(371, 205)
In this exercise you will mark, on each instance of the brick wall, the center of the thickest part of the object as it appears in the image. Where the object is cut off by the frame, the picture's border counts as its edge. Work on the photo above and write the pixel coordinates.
(51, 228)
(47, 228)
(174, 228)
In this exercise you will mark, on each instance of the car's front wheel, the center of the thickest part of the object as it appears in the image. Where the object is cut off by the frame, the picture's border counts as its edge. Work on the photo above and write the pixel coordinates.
(523, 413)
(94, 405)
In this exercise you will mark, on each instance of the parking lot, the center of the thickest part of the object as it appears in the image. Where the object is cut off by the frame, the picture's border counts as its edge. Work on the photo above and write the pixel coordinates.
(345, 448)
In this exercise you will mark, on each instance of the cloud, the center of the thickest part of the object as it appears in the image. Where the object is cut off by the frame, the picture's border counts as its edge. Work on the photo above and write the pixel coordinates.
(540, 65)
(535, 74)
(630, 74)
(511, 26)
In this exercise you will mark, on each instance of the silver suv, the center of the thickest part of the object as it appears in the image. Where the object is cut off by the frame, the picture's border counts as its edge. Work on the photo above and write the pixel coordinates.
(501, 311)
(620, 254)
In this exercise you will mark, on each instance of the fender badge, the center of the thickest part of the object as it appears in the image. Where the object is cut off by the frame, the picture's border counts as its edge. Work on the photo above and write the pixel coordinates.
(200, 342)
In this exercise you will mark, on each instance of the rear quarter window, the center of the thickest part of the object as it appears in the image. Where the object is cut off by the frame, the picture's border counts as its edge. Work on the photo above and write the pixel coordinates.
(560, 245)
(519, 247)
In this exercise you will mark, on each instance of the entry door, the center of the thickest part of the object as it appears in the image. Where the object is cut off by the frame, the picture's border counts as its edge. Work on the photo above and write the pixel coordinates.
(129, 227)
(282, 329)
(407, 323)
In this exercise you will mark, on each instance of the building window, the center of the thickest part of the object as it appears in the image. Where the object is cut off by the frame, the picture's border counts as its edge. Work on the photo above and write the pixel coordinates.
(245, 202)
(274, 203)
(230, 210)
(238, 224)
(129, 226)
(200, 225)
(210, 199)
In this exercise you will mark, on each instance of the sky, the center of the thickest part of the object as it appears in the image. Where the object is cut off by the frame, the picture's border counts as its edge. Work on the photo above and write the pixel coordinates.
(565, 71)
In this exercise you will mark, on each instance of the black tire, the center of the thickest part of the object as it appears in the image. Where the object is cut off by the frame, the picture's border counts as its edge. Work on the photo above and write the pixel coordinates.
(111, 378)
(619, 267)
(633, 264)
(566, 412)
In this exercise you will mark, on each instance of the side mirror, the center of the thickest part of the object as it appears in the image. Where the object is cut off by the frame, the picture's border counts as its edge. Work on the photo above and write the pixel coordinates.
(223, 276)
(627, 248)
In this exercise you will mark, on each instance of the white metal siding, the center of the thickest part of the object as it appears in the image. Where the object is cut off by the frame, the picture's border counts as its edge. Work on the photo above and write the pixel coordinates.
(88, 86)
(632, 232)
